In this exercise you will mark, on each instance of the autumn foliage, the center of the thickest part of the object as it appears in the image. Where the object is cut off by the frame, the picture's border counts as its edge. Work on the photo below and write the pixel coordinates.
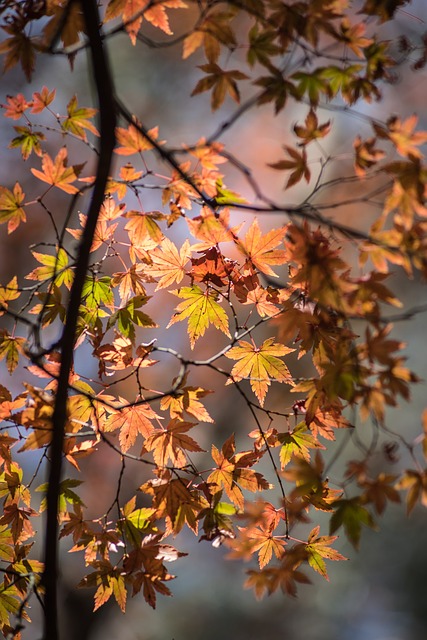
(309, 293)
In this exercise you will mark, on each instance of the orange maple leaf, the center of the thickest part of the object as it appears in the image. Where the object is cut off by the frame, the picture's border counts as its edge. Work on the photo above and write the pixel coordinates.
(249, 291)
(11, 210)
(403, 135)
(133, 141)
(186, 399)
(57, 174)
(260, 365)
(131, 421)
(130, 281)
(262, 540)
(171, 443)
(259, 248)
(42, 99)
(169, 263)
(211, 228)
(232, 472)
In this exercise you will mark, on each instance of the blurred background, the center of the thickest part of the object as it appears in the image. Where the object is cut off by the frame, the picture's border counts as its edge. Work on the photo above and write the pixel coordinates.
(379, 593)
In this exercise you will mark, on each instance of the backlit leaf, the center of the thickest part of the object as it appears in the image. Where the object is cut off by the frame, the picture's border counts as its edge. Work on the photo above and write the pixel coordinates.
(202, 309)
(261, 365)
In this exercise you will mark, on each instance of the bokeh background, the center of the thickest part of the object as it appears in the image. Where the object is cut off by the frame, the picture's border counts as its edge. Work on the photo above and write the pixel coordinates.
(380, 593)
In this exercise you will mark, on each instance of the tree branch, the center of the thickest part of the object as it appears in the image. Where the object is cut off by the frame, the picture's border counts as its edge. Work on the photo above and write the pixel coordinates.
(105, 91)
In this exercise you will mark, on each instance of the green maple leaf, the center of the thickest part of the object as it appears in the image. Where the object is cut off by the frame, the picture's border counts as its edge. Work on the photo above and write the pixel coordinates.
(78, 120)
(129, 316)
(54, 267)
(9, 602)
(351, 515)
(28, 140)
(313, 85)
(66, 495)
(97, 292)
(319, 548)
(297, 443)
(10, 348)
(202, 309)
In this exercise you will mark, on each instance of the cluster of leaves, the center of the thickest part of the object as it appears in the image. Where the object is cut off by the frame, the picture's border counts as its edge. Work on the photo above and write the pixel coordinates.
(294, 279)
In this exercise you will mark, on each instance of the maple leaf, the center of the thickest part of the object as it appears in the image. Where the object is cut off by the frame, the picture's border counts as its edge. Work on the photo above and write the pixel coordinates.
(108, 581)
(74, 524)
(50, 306)
(139, 9)
(18, 519)
(351, 515)
(103, 231)
(66, 495)
(38, 417)
(10, 604)
(69, 29)
(259, 248)
(223, 475)
(186, 399)
(275, 89)
(11, 348)
(8, 293)
(249, 291)
(260, 581)
(212, 268)
(42, 99)
(366, 155)
(157, 16)
(384, 9)
(54, 267)
(11, 210)
(202, 309)
(221, 82)
(18, 48)
(168, 263)
(262, 46)
(313, 84)
(78, 120)
(57, 173)
(324, 422)
(144, 234)
(260, 365)
(208, 155)
(404, 136)
(318, 548)
(171, 443)
(298, 163)
(133, 141)
(131, 281)
(168, 495)
(232, 472)
(16, 106)
(28, 140)
(415, 483)
(262, 540)
(129, 316)
(312, 130)
(353, 36)
(379, 490)
(211, 228)
(214, 29)
(297, 442)
(127, 9)
(132, 421)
